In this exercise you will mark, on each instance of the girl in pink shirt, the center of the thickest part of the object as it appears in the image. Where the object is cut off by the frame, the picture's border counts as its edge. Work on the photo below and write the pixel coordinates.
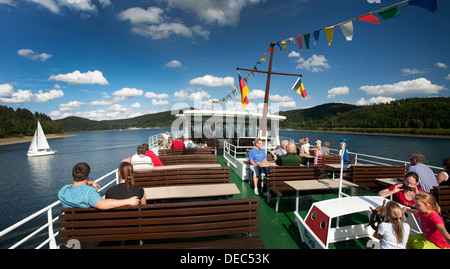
(434, 233)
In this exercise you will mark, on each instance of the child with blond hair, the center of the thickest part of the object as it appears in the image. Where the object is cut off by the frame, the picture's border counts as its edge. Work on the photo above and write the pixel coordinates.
(434, 236)
(395, 232)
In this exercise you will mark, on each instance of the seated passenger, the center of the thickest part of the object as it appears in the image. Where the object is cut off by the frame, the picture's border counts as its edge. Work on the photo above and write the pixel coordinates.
(126, 187)
(178, 144)
(141, 162)
(291, 158)
(83, 193)
(404, 193)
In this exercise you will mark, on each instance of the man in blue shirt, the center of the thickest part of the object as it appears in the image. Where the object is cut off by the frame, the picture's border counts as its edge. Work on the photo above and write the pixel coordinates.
(257, 154)
(83, 193)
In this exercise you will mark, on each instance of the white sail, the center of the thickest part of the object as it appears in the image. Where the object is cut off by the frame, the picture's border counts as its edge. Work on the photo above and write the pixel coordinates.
(39, 145)
(33, 146)
(42, 141)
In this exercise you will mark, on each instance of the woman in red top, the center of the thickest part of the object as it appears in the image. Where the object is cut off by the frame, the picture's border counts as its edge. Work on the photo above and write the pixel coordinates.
(404, 193)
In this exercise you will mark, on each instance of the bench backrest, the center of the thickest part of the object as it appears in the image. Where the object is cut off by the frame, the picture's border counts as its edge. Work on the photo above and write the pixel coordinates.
(279, 174)
(188, 159)
(160, 221)
(172, 177)
(442, 194)
(164, 152)
(334, 159)
(365, 175)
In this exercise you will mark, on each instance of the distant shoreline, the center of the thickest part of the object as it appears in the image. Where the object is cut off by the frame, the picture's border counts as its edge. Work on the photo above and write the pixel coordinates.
(363, 133)
(27, 139)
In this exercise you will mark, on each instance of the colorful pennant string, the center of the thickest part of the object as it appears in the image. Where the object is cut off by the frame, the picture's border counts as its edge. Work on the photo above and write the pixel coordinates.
(346, 28)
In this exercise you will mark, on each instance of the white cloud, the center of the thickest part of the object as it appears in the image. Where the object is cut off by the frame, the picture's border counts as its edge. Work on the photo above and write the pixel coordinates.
(374, 100)
(174, 64)
(43, 97)
(100, 103)
(6, 90)
(447, 77)
(225, 13)
(160, 102)
(71, 106)
(255, 94)
(95, 77)
(441, 65)
(185, 95)
(35, 56)
(152, 22)
(212, 81)
(82, 5)
(126, 93)
(137, 15)
(413, 71)
(316, 63)
(337, 91)
(136, 105)
(294, 54)
(151, 95)
(416, 86)
(8, 95)
(279, 98)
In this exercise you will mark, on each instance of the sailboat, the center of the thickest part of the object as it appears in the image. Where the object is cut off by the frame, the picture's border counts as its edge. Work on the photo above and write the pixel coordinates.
(39, 145)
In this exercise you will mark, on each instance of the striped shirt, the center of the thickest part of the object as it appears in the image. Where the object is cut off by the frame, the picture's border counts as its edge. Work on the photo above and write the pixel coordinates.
(427, 179)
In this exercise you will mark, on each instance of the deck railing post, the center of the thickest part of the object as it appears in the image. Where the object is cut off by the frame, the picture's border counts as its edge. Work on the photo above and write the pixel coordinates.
(51, 234)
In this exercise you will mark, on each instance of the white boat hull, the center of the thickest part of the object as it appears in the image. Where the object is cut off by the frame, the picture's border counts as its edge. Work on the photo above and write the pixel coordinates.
(41, 153)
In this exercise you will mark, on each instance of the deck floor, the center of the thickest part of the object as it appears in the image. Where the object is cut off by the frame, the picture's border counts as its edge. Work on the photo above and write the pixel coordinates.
(277, 229)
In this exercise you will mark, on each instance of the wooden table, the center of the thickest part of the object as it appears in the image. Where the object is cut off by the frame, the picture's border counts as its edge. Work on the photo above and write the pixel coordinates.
(316, 184)
(181, 166)
(390, 181)
(191, 191)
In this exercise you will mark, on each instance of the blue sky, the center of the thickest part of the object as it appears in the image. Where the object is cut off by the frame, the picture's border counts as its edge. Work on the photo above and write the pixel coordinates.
(109, 59)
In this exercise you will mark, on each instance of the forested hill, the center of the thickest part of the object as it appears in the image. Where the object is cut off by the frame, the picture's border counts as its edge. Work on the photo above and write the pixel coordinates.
(429, 116)
(410, 116)
(22, 122)
(161, 119)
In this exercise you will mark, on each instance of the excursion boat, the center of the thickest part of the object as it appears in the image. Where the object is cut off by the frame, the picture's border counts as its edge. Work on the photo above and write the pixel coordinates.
(309, 221)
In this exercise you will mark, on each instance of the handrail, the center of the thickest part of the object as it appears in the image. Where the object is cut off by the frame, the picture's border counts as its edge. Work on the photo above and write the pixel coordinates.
(51, 240)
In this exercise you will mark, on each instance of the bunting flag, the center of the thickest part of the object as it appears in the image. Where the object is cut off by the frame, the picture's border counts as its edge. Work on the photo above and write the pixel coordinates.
(370, 18)
(316, 35)
(307, 36)
(299, 88)
(329, 32)
(284, 45)
(300, 42)
(347, 30)
(244, 91)
(389, 13)
(431, 5)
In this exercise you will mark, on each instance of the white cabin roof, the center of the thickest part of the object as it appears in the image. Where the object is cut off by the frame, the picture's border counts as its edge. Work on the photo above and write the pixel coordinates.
(347, 205)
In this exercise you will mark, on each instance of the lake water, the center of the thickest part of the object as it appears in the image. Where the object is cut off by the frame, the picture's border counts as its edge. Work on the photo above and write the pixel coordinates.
(29, 184)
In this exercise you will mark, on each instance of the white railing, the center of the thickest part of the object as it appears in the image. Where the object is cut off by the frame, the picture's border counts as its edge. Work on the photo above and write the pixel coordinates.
(49, 210)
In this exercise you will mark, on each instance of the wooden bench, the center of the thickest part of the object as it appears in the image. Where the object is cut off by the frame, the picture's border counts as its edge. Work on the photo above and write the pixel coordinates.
(365, 175)
(442, 194)
(172, 177)
(278, 175)
(164, 152)
(188, 159)
(223, 224)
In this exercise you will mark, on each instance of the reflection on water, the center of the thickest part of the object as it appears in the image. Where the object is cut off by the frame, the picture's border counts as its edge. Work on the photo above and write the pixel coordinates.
(39, 168)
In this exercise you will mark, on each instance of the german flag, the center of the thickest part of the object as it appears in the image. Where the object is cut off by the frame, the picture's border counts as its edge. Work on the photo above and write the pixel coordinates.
(244, 91)
(299, 88)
